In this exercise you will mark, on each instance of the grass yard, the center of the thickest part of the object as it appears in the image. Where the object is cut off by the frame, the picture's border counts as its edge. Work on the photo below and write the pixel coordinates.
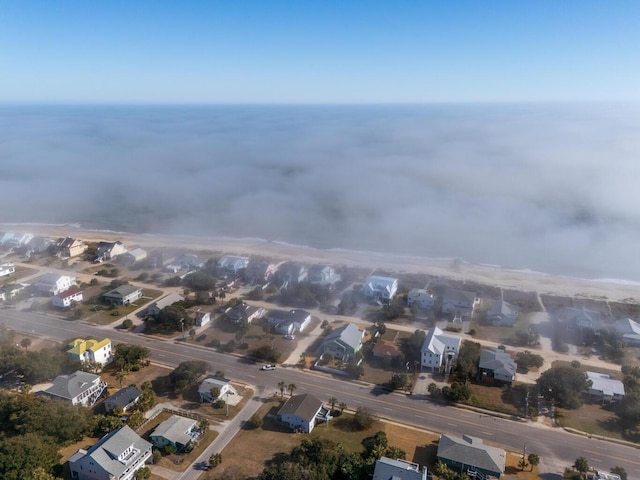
(493, 398)
(594, 419)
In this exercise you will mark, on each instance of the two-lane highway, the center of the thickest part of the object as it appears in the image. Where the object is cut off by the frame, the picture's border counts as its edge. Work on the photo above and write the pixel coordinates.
(556, 447)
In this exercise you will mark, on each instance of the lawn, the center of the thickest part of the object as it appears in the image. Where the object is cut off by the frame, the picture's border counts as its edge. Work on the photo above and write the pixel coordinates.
(594, 419)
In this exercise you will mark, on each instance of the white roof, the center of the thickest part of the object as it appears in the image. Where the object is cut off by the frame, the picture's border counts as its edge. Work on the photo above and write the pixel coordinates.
(436, 341)
(380, 283)
(605, 384)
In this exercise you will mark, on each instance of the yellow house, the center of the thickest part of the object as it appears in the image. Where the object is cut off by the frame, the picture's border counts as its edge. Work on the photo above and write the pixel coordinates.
(91, 351)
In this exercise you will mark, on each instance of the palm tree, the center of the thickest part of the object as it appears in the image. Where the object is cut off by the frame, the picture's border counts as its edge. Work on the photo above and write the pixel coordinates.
(342, 407)
(282, 386)
(534, 459)
(332, 402)
(582, 465)
(292, 387)
(120, 376)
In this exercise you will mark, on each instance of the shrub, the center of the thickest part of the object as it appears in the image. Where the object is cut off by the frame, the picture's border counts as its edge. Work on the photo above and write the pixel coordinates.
(256, 421)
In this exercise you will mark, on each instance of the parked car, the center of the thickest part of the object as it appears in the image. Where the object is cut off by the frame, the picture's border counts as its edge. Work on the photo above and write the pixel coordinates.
(290, 337)
(268, 367)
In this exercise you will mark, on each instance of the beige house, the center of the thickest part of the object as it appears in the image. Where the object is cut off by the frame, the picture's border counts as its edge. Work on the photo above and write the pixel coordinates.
(70, 247)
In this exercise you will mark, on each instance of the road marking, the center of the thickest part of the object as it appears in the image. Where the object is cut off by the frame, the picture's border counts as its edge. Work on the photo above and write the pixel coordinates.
(628, 460)
(488, 433)
(452, 424)
(387, 408)
(419, 416)
(595, 459)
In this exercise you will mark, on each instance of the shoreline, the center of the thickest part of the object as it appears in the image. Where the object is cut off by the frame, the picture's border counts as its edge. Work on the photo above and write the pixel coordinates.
(450, 268)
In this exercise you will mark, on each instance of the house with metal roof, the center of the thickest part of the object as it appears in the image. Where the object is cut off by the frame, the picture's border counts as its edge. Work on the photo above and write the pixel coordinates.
(605, 388)
(420, 298)
(54, 283)
(502, 314)
(379, 288)
(392, 469)
(109, 250)
(69, 247)
(222, 384)
(439, 348)
(79, 388)
(176, 431)
(288, 322)
(324, 275)
(98, 351)
(629, 330)
(471, 456)
(302, 412)
(117, 456)
(133, 256)
(459, 303)
(155, 308)
(124, 398)
(343, 343)
(497, 364)
(232, 264)
(582, 317)
(123, 295)
(7, 269)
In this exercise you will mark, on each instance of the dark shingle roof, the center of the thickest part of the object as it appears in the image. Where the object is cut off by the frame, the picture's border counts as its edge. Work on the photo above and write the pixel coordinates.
(471, 451)
(304, 406)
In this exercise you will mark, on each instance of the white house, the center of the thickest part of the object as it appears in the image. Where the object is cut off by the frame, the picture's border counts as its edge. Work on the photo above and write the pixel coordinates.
(289, 322)
(7, 269)
(420, 298)
(246, 314)
(605, 388)
(100, 352)
(629, 330)
(439, 348)
(202, 318)
(109, 250)
(302, 412)
(54, 283)
(324, 275)
(232, 264)
(259, 272)
(176, 431)
(133, 256)
(222, 384)
(80, 388)
(67, 298)
(117, 456)
(380, 288)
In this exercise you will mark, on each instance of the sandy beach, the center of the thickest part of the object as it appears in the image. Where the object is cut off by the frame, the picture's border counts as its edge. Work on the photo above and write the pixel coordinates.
(522, 280)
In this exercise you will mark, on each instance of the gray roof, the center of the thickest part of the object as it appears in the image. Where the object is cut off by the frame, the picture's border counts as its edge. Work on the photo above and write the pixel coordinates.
(436, 341)
(122, 291)
(605, 384)
(499, 361)
(305, 406)
(296, 315)
(471, 451)
(175, 429)
(500, 307)
(70, 386)
(390, 469)
(348, 334)
(123, 397)
(208, 383)
(105, 453)
(458, 296)
(167, 300)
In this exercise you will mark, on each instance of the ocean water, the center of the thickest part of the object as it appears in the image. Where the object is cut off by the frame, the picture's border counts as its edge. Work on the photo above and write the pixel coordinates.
(551, 187)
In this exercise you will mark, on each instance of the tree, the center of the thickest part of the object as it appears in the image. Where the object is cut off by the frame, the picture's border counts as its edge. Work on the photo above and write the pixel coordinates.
(136, 419)
(203, 425)
(127, 323)
(192, 334)
(527, 360)
(129, 357)
(256, 421)
(120, 376)
(399, 381)
(186, 375)
(581, 465)
(332, 402)
(291, 387)
(25, 343)
(215, 460)
(143, 473)
(342, 407)
(363, 418)
(22, 454)
(355, 368)
(467, 360)
(534, 460)
(282, 387)
(620, 472)
(563, 385)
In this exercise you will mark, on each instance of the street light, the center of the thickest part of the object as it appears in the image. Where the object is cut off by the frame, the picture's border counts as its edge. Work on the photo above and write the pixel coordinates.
(182, 325)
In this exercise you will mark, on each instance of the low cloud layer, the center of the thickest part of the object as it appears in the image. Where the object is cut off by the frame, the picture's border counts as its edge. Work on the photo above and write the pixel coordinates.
(551, 188)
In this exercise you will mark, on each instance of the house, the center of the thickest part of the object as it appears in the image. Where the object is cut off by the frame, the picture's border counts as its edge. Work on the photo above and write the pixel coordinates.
(343, 343)
(582, 318)
(245, 314)
(222, 384)
(420, 298)
(155, 308)
(133, 256)
(69, 247)
(54, 283)
(109, 250)
(438, 348)
(39, 245)
(91, 351)
(380, 288)
(117, 456)
(629, 330)
(302, 412)
(201, 318)
(497, 364)
(123, 295)
(259, 272)
(176, 431)
(459, 303)
(15, 240)
(232, 264)
(80, 388)
(187, 261)
(392, 469)
(471, 456)
(12, 290)
(67, 298)
(604, 388)
(125, 398)
(7, 269)
(288, 322)
(386, 349)
(290, 273)
(502, 314)
(324, 276)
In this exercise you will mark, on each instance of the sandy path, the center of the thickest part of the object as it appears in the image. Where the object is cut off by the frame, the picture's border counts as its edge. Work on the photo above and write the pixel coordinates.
(447, 268)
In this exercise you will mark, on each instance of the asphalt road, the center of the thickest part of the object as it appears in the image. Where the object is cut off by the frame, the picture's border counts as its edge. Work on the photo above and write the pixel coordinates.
(556, 447)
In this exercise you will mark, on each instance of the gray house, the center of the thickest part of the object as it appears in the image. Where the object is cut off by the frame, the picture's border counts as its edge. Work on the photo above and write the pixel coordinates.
(344, 342)
(79, 388)
(391, 469)
(123, 295)
(118, 455)
(155, 308)
(324, 275)
(497, 364)
(471, 456)
(124, 398)
(302, 412)
(502, 314)
(176, 431)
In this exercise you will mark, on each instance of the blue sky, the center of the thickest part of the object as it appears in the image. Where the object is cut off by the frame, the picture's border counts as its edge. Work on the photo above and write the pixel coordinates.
(318, 51)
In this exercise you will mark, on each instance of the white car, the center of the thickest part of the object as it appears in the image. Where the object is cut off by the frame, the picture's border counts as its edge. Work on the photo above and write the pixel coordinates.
(268, 367)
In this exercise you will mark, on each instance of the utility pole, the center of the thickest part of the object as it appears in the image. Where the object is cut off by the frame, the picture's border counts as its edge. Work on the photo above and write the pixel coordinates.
(182, 324)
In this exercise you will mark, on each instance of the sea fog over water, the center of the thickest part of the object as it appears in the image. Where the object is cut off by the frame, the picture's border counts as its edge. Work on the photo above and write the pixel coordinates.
(552, 188)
